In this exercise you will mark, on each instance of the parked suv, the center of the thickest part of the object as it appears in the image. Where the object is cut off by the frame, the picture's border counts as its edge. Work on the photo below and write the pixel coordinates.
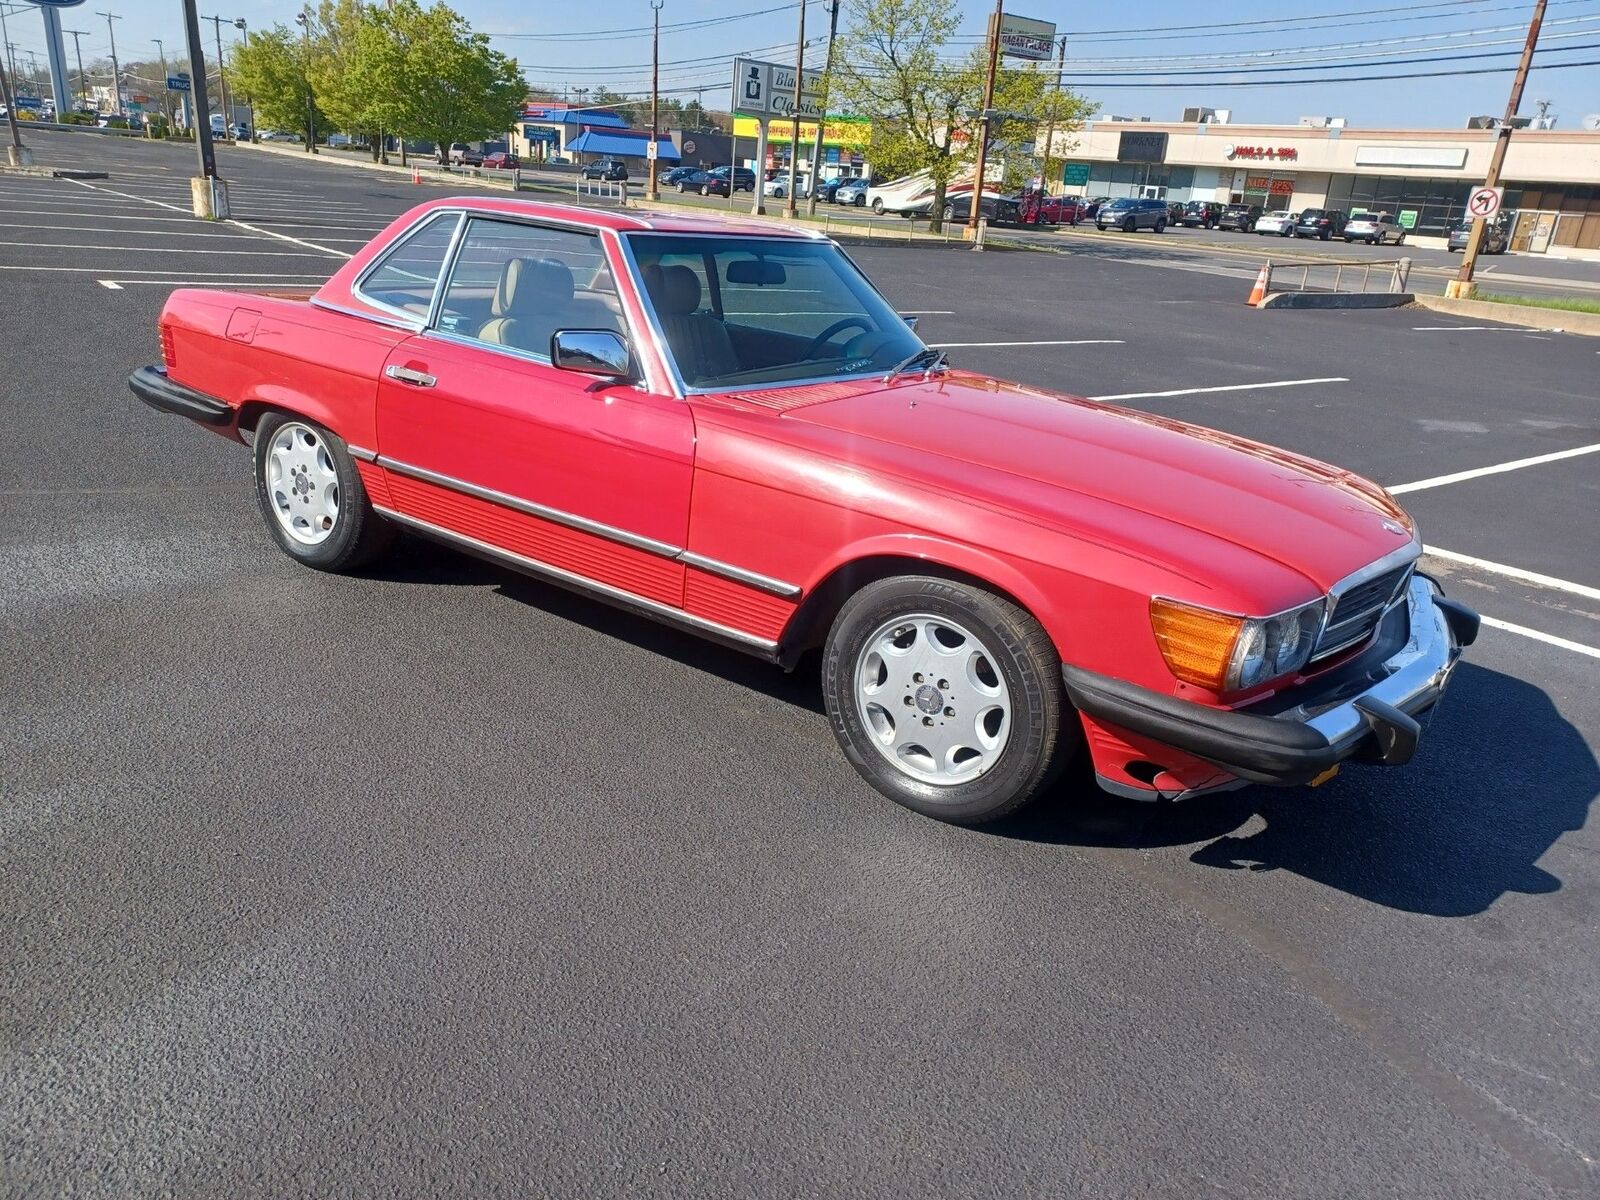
(1496, 237)
(462, 155)
(606, 168)
(1128, 214)
(716, 182)
(1321, 223)
(1203, 214)
(1242, 217)
(1374, 228)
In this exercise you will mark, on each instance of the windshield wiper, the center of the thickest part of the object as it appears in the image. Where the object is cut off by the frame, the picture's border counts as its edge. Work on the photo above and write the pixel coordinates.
(928, 358)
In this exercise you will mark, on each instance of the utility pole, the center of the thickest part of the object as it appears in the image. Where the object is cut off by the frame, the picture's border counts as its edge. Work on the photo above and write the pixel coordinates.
(1460, 288)
(5, 36)
(116, 71)
(303, 19)
(986, 117)
(17, 155)
(1055, 105)
(653, 192)
(166, 94)
(210, 194)
(794, 137)
(222, 79)
(77, 48)
(822, 117)
(11, 57)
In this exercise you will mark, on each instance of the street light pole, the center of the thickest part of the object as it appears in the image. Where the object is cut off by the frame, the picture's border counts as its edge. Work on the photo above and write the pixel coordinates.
(985, 117)
(653, 192)
(116, 71)
(303, 19)
(1055, 105)
(789, 204)
(822, 117)
(166, 92)
(1460, 288)
(243, 27)
(210, 194)
(17, 155)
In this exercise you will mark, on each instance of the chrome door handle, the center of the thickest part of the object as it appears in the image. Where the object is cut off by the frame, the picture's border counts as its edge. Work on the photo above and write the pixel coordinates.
(407, 375)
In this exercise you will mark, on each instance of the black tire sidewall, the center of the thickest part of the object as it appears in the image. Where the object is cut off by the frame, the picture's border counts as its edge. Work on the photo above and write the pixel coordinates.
(1016, 643)
(353, 534)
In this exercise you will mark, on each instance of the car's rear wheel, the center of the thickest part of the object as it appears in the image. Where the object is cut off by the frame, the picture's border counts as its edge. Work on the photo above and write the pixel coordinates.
(705, 189)
(946, 698)
(877, 206)
(949, 212)
(312, 496)
(1161, 226)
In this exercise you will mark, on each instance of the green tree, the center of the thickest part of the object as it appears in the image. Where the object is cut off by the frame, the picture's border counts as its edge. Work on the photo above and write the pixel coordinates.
(272, 69)
(425, 74)
(924, 108)
(336, 42)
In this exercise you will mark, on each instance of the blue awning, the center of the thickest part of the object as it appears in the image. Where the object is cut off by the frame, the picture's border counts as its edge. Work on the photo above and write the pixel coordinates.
(622, 146)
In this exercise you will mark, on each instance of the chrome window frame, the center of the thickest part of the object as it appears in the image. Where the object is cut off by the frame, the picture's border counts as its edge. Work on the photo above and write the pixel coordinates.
(411, 319)
(658, 337)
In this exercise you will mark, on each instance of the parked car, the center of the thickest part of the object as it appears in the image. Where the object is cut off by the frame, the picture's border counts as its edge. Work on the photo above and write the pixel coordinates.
(501, 160)
(347, 141)
(690, 179)
(1241, 218)
(219, 125)
(558, 160)
(1374, 228)
(1129, 214)
(778, 186)
(718, 180)
(853, 192)
(1321, 223)
(827, 188)
(613, 169)
(994, 208)
(1093, 207)
(279, 135)
(672, 177)
(1255, 615)
(1202, 214)
(241, 132)
(459, 154)
(1175, 212)
(1496, 237)
(1279, 221)
(1061, 210)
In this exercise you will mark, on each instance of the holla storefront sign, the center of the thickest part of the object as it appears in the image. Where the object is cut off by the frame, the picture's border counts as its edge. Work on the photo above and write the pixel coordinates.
(1261, 153)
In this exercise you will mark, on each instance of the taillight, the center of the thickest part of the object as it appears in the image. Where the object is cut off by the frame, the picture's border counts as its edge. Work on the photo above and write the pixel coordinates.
(169, 350)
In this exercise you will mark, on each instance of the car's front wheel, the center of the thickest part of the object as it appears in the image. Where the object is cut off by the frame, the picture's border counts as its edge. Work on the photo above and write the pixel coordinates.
(946, 698)
(1129, 225)
(313, 498)
(1161, 226)
(705, 189)
(877, 206)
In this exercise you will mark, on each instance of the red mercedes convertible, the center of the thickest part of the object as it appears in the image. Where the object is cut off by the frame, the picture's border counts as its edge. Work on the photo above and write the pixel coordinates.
(724, 426)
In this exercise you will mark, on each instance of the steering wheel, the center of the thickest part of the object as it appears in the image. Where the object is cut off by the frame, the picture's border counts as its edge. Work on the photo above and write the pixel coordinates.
(837, 327)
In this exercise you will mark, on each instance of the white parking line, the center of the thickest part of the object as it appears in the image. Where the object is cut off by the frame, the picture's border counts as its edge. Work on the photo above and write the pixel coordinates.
(1467, 328)
(1232, 387)
(124, 272)
(110, 283)
(1479, 472)
(1081, 342)
(1494, 568)
(163, 204)
(1548, 639)
(173, 250)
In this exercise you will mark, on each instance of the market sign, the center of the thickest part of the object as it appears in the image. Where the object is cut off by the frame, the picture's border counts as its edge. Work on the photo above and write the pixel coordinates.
(763, 90)
(1408, 218)
(1269, 153)
(1023, 37)
(1139, 147)
(841, 133)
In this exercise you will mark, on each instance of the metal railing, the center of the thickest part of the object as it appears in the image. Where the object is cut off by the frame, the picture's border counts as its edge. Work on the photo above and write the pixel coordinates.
(879, 229)
(1330, 275)
(614, 191)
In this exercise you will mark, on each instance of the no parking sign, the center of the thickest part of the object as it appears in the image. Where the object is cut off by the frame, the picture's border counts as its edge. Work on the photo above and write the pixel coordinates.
(1485, 202)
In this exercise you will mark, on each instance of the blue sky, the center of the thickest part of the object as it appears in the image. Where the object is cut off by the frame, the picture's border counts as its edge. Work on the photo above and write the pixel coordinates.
(1392, 40)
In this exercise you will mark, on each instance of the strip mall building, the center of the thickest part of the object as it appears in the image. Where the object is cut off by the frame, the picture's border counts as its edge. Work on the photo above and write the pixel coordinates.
(1552, 177)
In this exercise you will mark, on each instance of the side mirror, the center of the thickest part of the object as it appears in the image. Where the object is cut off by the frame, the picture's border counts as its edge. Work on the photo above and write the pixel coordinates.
(591, 352)
(911, 322)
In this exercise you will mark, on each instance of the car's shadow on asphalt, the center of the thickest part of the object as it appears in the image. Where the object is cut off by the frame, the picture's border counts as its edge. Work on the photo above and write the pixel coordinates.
(1501, 775)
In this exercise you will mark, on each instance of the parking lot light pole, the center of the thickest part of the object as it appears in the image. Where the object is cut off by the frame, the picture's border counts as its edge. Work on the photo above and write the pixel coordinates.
(1460, 288)
(986, 116)
(243, 27)
(303, 19)
(166, 93)
(222, 79)
(209, 194)
(17, 155)
(83, 80)
(653, 192)
(822, 117)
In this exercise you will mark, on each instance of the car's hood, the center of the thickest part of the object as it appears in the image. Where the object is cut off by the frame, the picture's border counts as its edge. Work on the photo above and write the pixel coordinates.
(1002, 442)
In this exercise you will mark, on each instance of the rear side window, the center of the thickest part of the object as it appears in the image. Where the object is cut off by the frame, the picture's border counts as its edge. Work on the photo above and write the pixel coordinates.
(403, 280)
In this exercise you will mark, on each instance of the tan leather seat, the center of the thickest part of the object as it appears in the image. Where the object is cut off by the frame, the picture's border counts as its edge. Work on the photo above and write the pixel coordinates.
(532, 300)
(699, 342)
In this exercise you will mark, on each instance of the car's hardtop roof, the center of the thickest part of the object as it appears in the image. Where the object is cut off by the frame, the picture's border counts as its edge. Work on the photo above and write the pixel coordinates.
(624, 222)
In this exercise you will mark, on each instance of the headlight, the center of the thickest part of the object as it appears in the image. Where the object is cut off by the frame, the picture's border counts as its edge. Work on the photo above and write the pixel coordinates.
(1229, 653)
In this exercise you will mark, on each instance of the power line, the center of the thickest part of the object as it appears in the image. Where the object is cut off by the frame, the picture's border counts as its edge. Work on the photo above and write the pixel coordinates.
(1366, 78)
(644, 30)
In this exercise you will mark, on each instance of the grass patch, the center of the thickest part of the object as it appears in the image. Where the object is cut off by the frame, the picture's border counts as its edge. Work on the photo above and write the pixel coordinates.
(1564, 303)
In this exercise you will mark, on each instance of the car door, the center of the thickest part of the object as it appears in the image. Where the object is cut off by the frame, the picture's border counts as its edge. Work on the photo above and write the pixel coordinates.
(481, 437)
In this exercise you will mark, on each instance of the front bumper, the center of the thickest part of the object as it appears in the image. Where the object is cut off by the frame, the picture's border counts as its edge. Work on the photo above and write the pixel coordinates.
(1366, 709)
(152, 385)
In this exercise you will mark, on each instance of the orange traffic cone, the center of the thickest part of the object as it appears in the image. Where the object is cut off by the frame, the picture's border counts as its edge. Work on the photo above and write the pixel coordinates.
(1259, 292)
(416, 174)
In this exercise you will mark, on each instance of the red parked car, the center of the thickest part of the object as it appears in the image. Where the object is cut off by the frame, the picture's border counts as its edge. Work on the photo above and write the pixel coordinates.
(1061, 210)
(500, 160)
(724, 426)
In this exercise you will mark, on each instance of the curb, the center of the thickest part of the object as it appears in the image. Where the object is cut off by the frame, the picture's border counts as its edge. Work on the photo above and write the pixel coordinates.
(1552, 320)
(1330, 300)
(54, 172)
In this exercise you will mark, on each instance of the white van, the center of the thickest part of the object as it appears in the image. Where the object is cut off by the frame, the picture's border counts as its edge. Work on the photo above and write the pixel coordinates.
(219, 125)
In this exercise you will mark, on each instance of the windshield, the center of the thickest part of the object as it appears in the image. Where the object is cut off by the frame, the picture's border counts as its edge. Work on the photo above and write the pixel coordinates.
(743, 311)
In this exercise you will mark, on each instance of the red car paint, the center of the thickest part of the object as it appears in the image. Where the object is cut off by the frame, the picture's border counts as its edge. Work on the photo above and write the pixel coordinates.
(1080, 511)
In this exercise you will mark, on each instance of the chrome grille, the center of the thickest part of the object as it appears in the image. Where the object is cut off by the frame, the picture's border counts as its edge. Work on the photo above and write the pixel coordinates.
(1358, 609)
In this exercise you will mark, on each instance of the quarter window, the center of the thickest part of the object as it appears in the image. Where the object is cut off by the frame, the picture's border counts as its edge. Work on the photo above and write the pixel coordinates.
(514, 285)
(404, 279)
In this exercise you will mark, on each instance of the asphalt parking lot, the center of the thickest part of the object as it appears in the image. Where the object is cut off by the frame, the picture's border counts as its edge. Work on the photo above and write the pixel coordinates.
(440, 881)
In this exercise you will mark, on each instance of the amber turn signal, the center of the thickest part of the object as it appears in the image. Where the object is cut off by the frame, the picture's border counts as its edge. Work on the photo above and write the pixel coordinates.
(1196, 642)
